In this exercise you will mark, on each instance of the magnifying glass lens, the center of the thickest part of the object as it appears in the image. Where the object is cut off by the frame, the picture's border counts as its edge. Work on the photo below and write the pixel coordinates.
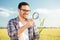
(35, 15)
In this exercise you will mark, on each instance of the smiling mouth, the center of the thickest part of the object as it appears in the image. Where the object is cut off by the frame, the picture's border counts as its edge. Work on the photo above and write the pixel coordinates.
(25, 14)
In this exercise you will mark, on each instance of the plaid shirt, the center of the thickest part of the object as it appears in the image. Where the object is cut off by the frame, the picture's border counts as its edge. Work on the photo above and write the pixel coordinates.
(13, 27)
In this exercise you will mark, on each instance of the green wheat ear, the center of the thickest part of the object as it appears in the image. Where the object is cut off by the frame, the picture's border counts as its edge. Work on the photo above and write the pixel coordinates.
(42, 22)
(41, 25)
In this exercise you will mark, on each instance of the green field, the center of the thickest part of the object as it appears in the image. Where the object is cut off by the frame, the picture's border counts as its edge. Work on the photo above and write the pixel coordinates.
(45, 34)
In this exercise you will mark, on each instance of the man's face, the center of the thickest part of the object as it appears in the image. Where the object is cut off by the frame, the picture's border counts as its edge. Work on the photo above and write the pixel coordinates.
(24, 11)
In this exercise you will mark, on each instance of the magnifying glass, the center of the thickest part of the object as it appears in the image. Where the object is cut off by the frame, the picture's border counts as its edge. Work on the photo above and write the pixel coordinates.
(35, 15)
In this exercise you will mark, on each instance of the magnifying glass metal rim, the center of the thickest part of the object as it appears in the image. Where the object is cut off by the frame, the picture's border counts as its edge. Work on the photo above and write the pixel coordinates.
(35, 13)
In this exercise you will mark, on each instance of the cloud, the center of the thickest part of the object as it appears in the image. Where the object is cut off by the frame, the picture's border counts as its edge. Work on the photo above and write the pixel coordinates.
(6, 12)
(52, 16)
(48, 11)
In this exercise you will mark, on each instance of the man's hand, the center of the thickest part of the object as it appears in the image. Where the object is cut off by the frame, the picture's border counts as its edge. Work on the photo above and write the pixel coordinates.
(30, 23)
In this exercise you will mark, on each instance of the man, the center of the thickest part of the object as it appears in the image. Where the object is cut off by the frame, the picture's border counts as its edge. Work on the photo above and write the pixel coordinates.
(21, 28)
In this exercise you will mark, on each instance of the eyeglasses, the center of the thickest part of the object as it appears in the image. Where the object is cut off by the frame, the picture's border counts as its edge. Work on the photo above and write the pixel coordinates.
(25, 10)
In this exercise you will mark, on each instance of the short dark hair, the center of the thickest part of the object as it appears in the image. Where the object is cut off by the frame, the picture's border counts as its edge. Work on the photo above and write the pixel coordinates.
(21, 4)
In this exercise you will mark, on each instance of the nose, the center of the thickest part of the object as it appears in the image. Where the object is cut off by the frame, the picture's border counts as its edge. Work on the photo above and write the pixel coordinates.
(27, 12)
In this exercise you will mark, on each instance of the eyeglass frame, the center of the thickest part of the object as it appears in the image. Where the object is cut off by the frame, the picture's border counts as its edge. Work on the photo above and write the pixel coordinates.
(25, 10)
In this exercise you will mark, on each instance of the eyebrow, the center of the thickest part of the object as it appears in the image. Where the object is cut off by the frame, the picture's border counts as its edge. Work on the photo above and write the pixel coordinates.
(25, 10)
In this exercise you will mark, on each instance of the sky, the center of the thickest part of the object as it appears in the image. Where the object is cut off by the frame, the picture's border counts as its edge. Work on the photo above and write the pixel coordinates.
(48, 9)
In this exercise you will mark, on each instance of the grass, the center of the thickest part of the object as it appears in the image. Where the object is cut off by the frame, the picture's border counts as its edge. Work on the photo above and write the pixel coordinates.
(45, 34)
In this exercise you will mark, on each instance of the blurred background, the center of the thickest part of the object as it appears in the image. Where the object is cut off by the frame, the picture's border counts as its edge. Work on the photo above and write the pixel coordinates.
(48, 23)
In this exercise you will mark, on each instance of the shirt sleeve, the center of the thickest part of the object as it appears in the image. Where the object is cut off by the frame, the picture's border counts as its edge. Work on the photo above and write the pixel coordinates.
(11, 30)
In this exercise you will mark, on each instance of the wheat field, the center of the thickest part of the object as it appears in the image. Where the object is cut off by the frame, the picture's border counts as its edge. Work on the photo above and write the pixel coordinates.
(45, 34)
(4, 34)
(50, 34)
